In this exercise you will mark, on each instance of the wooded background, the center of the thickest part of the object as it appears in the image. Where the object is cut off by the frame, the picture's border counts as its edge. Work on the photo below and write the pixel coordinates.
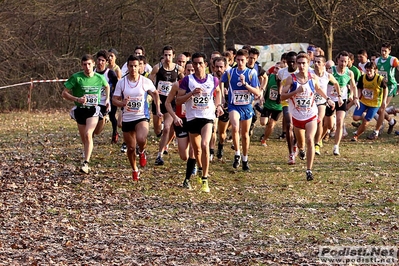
(45, 39)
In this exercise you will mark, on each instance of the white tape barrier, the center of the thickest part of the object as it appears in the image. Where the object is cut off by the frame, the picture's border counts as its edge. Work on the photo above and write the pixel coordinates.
(34, 81)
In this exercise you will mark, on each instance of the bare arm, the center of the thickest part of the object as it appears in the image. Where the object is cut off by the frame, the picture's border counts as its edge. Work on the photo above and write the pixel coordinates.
(183, 96)
(285, 94)
(67, 95)
(154, 72)
(157, 101)
(218, 102)
(117, 101)
(171, 96)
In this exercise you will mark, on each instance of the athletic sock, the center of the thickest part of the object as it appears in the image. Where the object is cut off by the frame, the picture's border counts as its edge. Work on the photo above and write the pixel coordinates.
(190, 167)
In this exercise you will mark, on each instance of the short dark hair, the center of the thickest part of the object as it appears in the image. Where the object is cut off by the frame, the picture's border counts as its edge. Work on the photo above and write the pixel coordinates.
(220, 59)
(243, 52)
(387, 45)
(140, 47)
(362, 52)
(291, 54)
(343, 53)
(113, 50)
(246, 47)
(371, 65)
(189, 62)
(142, 58)
(254, 51)
(87, 57)
(168, 48)
(198, 55)
(187, 54)
(233, 50)
(132, 58)
(102, 53)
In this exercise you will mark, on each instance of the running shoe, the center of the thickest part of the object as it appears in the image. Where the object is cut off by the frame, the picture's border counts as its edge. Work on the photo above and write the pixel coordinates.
(390, 128)
(115, 138)
(354, 138)
(317, 149)
(282, 136)
(245, 166)
(291, 159)
(295, 150)
(320, 143)
(356, 124)
(211, 154)
(309, 175)
(124, 148)
(85, 167)
(263, 143)
(219, 153)
(372, 136)
(336, 150)
(195, 171)
(302, 154)
(143, 159)
(136, 175)
(159, 161)
(166, 150)
(186, 184)
(205, 187)
(344, 132)
(236, 162)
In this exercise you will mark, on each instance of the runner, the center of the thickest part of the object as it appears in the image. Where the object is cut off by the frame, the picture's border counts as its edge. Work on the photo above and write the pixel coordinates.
(300, 89)
(386, 65)
(110, 76)
(84, 88)
(112, 53)
(131, 94)
(163, 75)
(324, 79)
(345, 78)
(220, 64)
(282, 74)
(271, 110)
(196, 91)
(243, 86)
(180, 126)
(373, 93)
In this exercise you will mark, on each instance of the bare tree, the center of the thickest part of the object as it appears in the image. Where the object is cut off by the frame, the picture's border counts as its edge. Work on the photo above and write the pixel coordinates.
(217, 16)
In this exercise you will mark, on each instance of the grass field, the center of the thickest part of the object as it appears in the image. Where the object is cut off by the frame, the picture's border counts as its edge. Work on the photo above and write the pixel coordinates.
(50, 214)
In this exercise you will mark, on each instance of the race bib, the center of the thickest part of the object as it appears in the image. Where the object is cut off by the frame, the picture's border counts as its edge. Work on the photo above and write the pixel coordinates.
(384, 74)
(103, 91)
(164, 87)
(273, 95)
(302, 103)
(134, 105)
(241, 97)
(200, 102)
(91, 99)
(368, 94)
(318, 98)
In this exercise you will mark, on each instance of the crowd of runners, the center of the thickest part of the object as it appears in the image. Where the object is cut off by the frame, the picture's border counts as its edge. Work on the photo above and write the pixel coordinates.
(196, 102)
